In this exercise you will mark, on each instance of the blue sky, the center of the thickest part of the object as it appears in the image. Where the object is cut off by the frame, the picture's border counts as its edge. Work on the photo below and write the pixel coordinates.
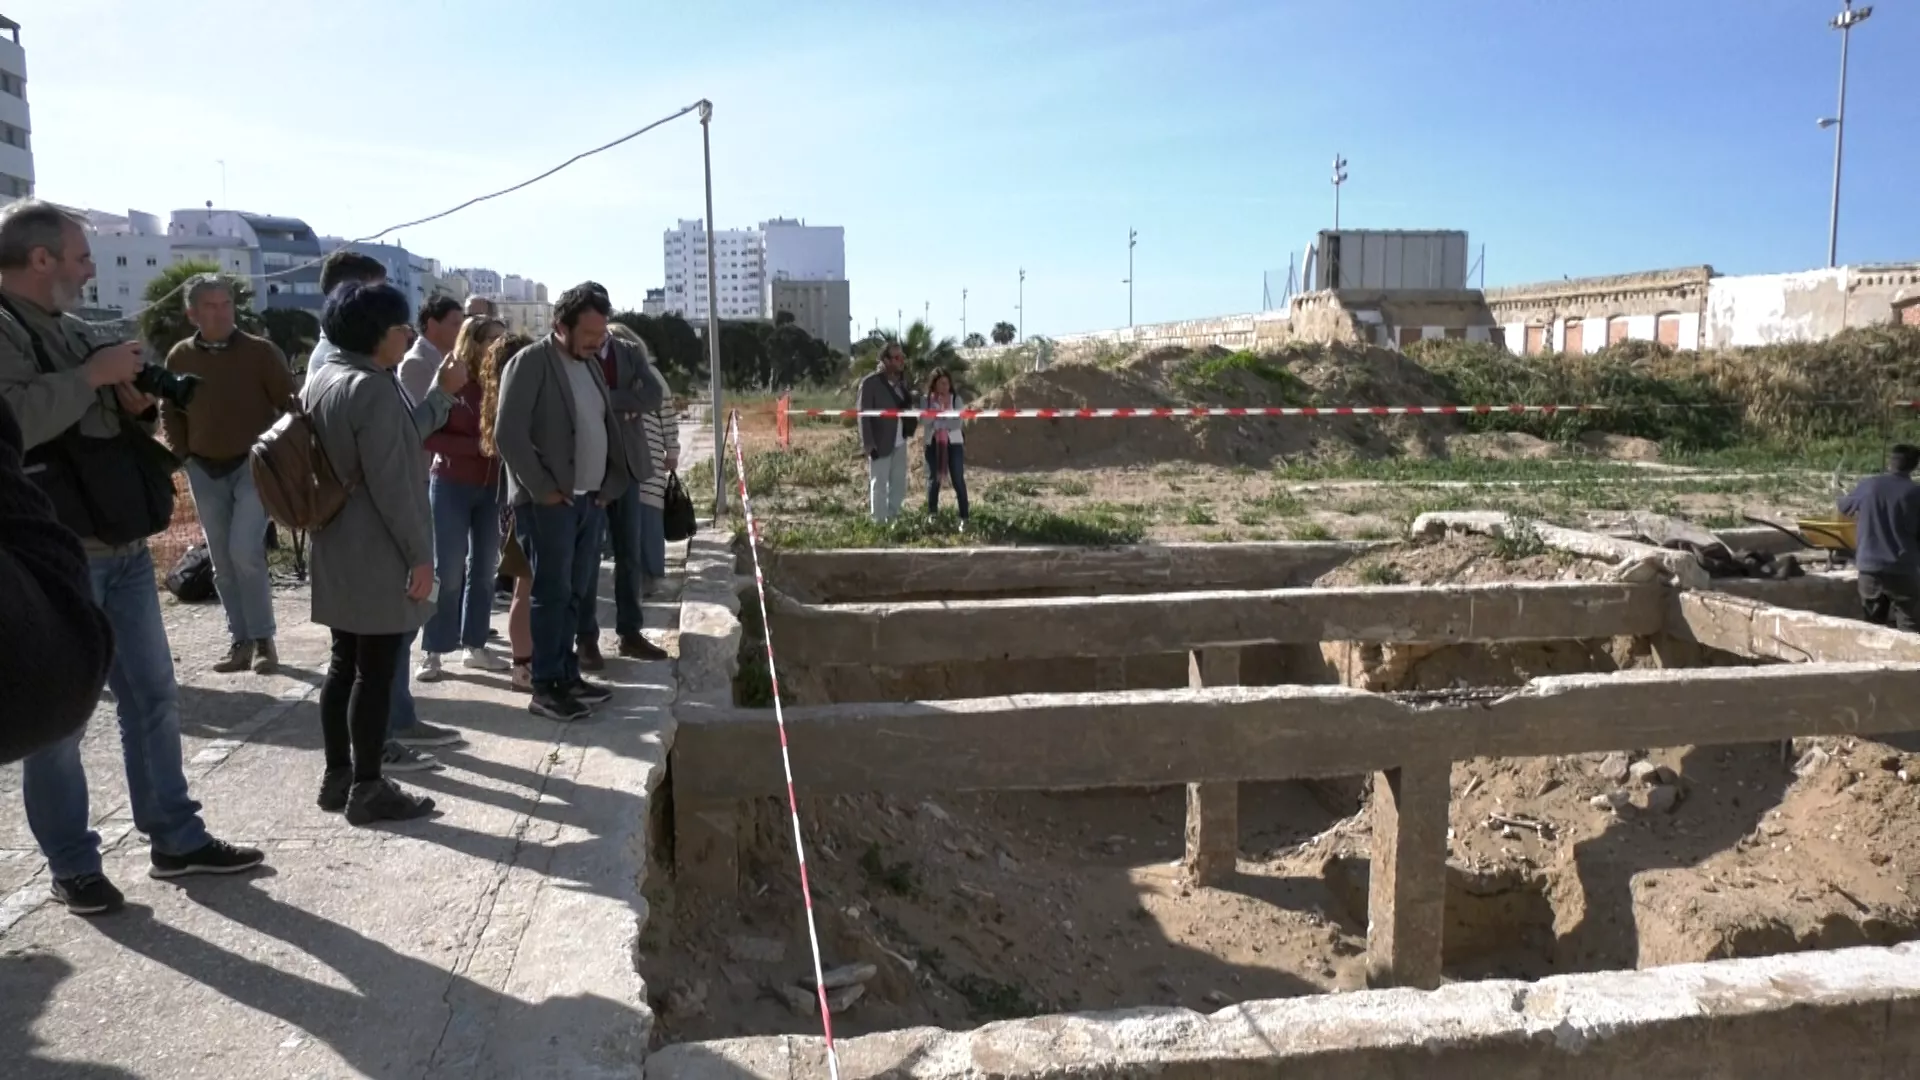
(958, 143)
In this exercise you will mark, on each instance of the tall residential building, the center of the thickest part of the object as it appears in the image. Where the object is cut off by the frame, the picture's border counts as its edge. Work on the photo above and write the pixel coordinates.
(16, 144)
(746, 261)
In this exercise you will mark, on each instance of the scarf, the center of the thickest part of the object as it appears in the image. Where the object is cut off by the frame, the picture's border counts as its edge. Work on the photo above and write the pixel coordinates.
(940, 445)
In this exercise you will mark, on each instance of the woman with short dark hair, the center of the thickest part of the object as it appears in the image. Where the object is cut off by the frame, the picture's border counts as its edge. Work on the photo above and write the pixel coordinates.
(372, 565)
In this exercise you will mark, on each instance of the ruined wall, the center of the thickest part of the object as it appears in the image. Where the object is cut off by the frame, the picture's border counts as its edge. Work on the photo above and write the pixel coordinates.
(1760, 309)
(1584, 314)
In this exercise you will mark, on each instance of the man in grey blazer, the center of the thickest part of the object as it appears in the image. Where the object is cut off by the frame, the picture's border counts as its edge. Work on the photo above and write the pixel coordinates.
(634, 392)
(566, 459)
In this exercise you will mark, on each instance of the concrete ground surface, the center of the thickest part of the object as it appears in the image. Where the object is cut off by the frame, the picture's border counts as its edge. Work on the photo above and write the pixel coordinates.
(494, 939)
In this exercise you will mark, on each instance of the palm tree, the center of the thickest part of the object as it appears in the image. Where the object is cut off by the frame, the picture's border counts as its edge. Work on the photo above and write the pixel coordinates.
(925, 352)
(1003, 333)
(975, 341)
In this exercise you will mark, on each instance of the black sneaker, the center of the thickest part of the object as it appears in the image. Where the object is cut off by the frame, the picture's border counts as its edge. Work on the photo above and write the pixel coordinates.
(382, 800)
(587, 693)
(420, 733)
(333, 790)
(212, 857)
(399, 758)
(88, 894)
(555, 703)
(587, 648)
(637, 647)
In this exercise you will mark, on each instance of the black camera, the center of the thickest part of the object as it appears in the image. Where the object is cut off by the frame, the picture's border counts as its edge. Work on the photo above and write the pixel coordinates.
(177, 390)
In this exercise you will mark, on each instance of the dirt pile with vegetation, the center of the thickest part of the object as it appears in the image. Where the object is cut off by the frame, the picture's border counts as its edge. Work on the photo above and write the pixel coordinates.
(1649, 394)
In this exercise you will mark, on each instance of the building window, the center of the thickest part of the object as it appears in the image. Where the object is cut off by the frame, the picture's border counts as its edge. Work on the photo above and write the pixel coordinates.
(152, 261)
(13, 84)
(1667, 329)
(1574, 338)
(119, 260)
(1616, 329)
(1536, 342)
(1907, 312)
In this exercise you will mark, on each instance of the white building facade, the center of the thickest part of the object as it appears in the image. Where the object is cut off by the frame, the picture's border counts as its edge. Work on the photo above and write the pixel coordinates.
(16, 142)
(129, 251)
(746, 262)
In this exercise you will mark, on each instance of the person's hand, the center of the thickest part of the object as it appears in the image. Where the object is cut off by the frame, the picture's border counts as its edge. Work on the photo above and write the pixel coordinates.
(133, 402)
(558, 498)
(453, 375)
(420, 582)
(114, 365)
(673, 462)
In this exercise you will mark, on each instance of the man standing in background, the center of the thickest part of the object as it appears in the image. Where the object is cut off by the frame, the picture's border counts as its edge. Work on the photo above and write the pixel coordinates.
(1886, 513)
(244, 387)
(440, 319)
(884, 438)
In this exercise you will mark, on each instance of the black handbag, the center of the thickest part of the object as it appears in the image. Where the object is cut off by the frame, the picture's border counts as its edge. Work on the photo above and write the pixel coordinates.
(191, 579)
(115, 489)
(678, 515)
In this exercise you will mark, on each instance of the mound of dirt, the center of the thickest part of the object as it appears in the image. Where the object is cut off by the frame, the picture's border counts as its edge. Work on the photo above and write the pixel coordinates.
(1322, 376)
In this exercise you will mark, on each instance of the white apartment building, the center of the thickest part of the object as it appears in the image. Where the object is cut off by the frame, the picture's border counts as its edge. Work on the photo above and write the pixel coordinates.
(737, 271)
(655, 303)
(128, 252)
(746, 262)
(16, 144)
(515, 287)
(482, 282)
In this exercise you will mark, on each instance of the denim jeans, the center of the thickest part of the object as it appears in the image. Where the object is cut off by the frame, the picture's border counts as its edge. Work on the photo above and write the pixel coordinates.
(887, 484)
(632, 561)
(653, 541)
(54, 782)
(466, 552)
(956, 472)
(400, 712)
(236, 526)
(562, 543)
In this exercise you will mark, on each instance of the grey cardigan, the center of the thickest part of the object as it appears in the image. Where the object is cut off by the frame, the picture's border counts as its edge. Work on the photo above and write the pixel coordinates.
(637, 392)
(534, 428)
(361, 559)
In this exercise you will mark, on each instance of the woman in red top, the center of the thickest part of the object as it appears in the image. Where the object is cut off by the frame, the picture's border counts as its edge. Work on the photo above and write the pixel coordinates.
(464, 492)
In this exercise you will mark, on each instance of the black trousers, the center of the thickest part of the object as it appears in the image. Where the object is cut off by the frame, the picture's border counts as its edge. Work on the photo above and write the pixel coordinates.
(1891, 600)
(355, 698)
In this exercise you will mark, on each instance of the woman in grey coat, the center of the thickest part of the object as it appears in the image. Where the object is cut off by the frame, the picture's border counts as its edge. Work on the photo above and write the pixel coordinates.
(372, 565)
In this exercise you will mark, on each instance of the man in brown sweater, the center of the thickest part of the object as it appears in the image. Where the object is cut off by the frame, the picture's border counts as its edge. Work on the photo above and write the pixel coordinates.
(244, 387)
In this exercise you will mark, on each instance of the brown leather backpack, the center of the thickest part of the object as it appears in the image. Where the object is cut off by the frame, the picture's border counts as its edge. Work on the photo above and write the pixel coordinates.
(297, 484)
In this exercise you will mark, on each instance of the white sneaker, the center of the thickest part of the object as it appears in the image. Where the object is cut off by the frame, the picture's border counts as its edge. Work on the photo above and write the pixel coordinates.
(482, 660)
(429, 668)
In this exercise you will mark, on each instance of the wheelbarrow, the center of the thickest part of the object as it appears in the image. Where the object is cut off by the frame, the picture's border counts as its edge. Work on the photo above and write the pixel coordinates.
(1833, 535)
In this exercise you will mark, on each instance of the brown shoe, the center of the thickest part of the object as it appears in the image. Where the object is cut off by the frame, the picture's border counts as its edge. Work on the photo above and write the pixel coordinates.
(588, 650)
(637, 647)
(266, 658)
(239, 658)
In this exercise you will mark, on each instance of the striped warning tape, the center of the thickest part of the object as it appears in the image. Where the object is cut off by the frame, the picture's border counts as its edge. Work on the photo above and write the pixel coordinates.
(786, 758)
(1165, 411)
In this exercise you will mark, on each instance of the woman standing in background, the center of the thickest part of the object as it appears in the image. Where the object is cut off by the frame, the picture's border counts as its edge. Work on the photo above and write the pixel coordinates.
(464, 491)
(946, 445)
(513, 561)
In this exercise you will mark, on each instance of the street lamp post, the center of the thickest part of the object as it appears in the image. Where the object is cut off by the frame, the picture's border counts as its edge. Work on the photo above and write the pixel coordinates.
(713, 322)
(1133, 238)
(963, 316)
(1020, 307)
(1339, 177)
(1844, 22)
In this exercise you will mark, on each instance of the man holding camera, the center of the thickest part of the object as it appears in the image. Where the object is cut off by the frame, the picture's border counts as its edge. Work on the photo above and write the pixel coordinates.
(85, 428)
(244, 387)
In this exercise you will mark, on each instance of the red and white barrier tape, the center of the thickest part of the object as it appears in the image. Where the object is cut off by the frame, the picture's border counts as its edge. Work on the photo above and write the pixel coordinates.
(786, 758)
(1164, 411)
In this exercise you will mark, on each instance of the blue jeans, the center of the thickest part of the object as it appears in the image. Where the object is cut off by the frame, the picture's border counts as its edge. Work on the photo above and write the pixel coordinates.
(236, 526)
(54, 782)
(466, 552)
(633, 559)
(562, 544)
(956, 471)
(400, 714)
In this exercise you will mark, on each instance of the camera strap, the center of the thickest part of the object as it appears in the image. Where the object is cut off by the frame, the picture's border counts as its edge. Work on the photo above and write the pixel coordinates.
(40, 357)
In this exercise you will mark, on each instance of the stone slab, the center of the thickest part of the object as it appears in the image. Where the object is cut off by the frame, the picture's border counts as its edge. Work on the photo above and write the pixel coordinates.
(907, 573)
(1154, 737)
(933, 632)
(1844, 1015)
(1407, 875)
(1755, 628)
